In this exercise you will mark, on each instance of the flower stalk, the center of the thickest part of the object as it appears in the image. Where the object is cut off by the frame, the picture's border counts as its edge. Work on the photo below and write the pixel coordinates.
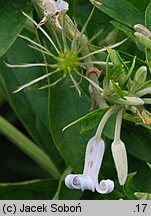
(104, 120)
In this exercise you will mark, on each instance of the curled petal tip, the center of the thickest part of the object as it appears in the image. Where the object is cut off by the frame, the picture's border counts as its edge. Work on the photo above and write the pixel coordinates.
(69, 181)
(105, 186)
(79, 182)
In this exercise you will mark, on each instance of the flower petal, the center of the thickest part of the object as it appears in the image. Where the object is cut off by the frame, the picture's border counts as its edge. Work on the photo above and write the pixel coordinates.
(50, 6)
(94, 156)
(79, 182)
(105, 186)
(62, 5)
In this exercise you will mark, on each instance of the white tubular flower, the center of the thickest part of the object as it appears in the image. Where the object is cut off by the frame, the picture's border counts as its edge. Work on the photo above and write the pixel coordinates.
(93, 160)
(53, 10)
(119, 151)
(89, 179)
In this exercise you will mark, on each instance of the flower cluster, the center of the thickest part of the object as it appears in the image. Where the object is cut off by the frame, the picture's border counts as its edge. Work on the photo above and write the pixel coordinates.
(122, 92)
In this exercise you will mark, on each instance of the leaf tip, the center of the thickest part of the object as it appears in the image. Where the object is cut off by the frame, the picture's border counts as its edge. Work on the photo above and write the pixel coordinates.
(6, 64)
(16, 91)
(64, 128)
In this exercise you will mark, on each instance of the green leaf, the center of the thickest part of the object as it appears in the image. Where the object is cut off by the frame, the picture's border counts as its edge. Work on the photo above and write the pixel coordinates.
(129, 117)
(11, 21)
(115, 72)
(143, 196)
(117, 60)
(30, 106)
(129, 187)
(115, 57)
(128, 31)
(141, 5)
(66, 106)
(117, 90)
(149, 165)
(29, 190)
(28, 147)
(89, 121)
(68, 194)
(137, 141)
(131, 69)
(142, 180)
(148, 16)
(64, 193)
(147, 84)
(122, 11)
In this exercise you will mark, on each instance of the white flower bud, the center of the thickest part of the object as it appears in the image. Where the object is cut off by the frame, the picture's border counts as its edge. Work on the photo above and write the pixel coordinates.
(132, 101)
(142, 41)
(120, 160)
(144, 92)
(143, 30)
(140, 75)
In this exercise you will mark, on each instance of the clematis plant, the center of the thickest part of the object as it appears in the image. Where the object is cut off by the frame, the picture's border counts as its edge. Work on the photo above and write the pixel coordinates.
(123, 95)
(67, 56)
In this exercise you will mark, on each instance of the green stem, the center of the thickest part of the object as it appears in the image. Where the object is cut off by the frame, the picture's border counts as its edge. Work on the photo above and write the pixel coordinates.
(99, 99)
(118, 126)
(26, 145)
(103, 121)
